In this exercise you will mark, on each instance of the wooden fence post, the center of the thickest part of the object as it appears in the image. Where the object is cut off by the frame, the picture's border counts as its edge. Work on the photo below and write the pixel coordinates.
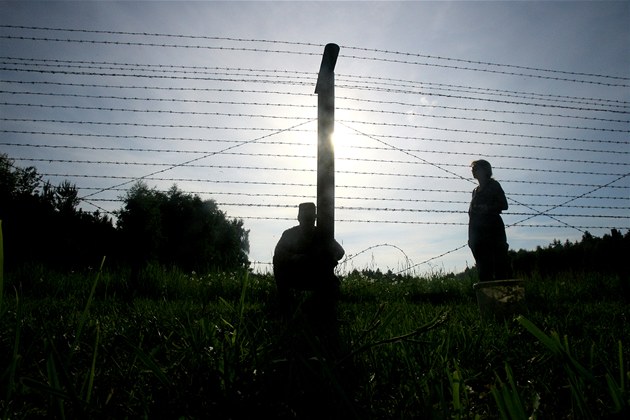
(325, 91)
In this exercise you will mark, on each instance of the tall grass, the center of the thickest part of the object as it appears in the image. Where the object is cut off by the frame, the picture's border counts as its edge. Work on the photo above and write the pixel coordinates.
(579, 377)
(187, 345)
(1, 268)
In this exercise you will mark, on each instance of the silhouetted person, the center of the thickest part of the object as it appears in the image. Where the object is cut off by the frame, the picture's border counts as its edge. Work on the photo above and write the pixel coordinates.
(486, 231)
(304, 260)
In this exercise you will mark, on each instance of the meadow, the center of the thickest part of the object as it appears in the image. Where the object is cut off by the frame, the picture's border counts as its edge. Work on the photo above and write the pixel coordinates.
(186, 346)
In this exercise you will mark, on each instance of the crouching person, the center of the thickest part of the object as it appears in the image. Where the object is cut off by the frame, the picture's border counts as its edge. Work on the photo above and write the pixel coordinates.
(304, 260)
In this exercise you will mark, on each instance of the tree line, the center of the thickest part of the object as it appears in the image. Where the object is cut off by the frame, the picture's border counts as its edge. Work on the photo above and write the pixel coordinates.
(606, 255)
(43, 224)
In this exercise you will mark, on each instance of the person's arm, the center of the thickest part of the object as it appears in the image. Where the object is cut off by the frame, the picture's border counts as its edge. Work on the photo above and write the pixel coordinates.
(490, 200)
(500, 202)
(285, 251)
(337, 251)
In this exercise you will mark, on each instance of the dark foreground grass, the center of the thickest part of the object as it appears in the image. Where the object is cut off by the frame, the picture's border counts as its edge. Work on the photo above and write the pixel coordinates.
(89, 345)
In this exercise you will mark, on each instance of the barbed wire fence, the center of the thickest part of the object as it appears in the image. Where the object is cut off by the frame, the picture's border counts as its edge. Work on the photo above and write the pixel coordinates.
(235, 120)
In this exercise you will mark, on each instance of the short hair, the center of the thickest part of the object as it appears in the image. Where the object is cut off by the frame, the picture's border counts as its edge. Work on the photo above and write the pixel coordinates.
(483, 164)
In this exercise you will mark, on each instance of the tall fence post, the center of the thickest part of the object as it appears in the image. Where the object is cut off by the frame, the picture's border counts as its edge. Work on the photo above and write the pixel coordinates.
(325, 90)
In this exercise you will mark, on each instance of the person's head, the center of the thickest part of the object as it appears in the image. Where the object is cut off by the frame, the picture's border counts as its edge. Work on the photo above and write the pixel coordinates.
(481, 169)
(307, 214)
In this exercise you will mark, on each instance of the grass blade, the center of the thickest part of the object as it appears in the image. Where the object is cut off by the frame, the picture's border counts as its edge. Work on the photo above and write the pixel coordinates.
(16, 346)
(508, 399)
(1, 268)
(622, 376)
(55, 385)
(553, 345)
(149, 363)
(91, 374)
(84, 315)
(456, 380)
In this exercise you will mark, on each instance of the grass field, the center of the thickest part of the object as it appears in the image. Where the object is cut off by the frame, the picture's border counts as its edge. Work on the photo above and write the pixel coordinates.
(178, 345)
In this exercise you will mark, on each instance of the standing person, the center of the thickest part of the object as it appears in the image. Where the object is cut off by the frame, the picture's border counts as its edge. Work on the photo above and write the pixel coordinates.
(486, 231)
(303, 260)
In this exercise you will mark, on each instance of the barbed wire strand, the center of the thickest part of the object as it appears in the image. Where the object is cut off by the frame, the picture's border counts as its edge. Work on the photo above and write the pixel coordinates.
(284, 117)
(449, 172)
(308, 78)
(197, 159)
(298, 43)
(346, 158)
(260, 50)
(409, 62)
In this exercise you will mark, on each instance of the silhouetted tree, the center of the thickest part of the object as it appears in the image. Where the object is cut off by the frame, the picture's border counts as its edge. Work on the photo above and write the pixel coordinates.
(607, 255)
(65, 198)
(17, 182)
(41, 222)
(176, 228)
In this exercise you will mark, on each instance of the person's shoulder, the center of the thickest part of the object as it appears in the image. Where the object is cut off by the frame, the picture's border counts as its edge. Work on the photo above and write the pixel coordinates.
(495, 183)
(291, 231)
(496, 188)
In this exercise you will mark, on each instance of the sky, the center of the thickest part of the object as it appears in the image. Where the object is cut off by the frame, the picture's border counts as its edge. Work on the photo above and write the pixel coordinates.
(218, 98)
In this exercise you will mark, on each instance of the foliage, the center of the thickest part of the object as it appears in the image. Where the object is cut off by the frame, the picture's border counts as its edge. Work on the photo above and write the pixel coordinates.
(180, 229)
(604, 255)
(42, 224)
